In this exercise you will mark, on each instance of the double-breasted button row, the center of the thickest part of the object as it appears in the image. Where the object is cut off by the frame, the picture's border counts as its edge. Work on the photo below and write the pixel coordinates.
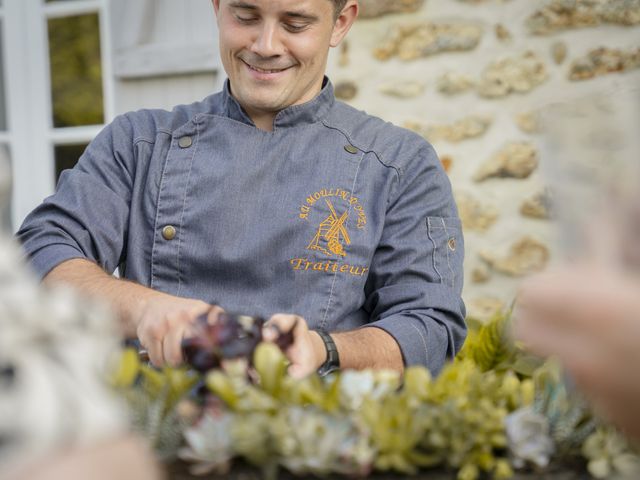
(169, 232)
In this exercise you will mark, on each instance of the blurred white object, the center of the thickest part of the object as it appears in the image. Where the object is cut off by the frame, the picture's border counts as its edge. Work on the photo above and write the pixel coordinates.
(529, 438)
(54, 349)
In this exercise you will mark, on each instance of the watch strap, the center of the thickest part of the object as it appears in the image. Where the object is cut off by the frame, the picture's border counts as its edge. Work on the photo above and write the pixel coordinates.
(332, 363)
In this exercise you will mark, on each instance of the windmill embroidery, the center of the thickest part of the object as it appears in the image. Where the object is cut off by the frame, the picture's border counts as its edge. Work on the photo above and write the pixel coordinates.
(331, 233)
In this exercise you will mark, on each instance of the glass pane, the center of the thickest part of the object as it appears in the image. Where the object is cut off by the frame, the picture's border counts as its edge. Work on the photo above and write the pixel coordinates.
(76, 71)
(3, 105)
(66, 156)
(5, 189)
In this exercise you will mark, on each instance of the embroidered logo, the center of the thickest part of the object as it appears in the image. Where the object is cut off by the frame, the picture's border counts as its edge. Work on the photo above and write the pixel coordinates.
(332, 235)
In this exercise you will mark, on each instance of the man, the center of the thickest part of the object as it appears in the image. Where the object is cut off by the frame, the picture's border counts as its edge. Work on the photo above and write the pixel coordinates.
(267, 197)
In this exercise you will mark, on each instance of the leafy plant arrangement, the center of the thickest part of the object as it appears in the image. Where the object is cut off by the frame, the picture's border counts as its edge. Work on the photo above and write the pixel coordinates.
(494, 409)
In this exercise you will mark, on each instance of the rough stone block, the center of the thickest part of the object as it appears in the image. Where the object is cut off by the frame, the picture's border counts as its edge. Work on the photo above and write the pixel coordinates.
(515, 160)
(516, 74)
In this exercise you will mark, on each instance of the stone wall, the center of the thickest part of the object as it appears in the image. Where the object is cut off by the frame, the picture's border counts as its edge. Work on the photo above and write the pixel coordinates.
(471, 76)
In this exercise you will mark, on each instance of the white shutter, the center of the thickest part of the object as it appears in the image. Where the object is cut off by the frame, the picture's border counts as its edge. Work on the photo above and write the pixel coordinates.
(159, 38)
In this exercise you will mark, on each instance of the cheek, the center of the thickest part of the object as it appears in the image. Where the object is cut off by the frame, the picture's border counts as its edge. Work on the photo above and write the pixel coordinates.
(306, 57)
(309, 48)
(231, 38)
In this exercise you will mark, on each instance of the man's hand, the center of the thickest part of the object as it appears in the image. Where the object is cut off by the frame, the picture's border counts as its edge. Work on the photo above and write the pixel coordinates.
(165, 320)
(159, 320)
(358, 349)
(307, 352)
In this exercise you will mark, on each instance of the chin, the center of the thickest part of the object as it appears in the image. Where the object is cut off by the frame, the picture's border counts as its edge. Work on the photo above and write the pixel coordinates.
(265, 101)
(268, 106)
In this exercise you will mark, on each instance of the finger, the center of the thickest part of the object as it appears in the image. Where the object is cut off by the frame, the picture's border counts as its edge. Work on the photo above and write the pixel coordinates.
(172, 345)
(283, 321)
(298, 351)
(554, 286)
(575, 311)
(280, 323)
(150, 336)
(579, 297)
(197, 311)
(540, 338)
(154, 349)
(214, 314)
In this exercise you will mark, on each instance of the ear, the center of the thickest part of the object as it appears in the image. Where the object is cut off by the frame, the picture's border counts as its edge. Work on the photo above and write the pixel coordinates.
(343, 23)
(216, 6)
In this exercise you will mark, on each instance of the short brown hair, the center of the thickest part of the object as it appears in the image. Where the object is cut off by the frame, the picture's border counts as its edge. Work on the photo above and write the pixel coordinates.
(338, 5)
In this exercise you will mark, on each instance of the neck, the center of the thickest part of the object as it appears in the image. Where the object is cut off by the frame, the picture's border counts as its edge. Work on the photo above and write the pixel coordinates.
(262, 120)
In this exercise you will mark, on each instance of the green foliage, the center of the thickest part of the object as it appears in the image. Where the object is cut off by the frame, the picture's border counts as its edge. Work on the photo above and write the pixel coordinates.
(609, 455)
(126, 369)
(355, 422)
(152, 396)
(309, 426)
(465, 415)
(488, 345)
(570, 419)
(162, 428)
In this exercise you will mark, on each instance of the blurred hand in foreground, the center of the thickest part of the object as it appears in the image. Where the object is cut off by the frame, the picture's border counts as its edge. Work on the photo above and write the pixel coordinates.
(589, 318)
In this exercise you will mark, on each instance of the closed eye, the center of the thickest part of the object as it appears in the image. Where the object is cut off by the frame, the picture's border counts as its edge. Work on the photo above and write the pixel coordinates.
(295, 28)
(246, 19)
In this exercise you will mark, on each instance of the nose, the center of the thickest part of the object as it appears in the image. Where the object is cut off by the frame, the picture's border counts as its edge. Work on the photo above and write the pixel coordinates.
(267, 42)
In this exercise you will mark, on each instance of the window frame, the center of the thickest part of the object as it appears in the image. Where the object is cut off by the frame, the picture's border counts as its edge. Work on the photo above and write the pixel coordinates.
(5, 136)
(31, 136)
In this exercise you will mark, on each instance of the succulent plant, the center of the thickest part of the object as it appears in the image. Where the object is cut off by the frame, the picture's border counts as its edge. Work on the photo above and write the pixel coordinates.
(152, 396)
(209, 444)
(489, 411)
(609, 455)
(570, 419)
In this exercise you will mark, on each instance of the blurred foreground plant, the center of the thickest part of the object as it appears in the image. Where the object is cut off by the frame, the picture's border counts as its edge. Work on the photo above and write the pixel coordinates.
(491, 410)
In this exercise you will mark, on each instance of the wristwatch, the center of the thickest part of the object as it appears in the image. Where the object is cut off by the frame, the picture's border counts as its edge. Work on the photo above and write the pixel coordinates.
(332, 363)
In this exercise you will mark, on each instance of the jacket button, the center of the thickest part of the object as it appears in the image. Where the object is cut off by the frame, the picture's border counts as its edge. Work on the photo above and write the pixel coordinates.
(185, 142)
(452, 244)
(351, 149)
(169, 232)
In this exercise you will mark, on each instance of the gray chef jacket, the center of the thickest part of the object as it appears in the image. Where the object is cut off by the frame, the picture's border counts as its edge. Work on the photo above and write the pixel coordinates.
(335, 216)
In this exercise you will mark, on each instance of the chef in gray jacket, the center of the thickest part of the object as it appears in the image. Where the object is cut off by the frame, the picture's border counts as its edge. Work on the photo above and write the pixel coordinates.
(269, 198)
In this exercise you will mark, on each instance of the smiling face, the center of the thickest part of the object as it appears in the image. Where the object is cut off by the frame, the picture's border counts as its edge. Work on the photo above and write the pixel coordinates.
(275, 51)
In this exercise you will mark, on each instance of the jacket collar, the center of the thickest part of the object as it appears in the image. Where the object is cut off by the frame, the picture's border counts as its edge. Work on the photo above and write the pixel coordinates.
(294, 116)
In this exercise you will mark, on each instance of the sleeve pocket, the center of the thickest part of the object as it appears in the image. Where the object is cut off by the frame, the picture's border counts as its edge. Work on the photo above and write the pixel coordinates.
(445, 234)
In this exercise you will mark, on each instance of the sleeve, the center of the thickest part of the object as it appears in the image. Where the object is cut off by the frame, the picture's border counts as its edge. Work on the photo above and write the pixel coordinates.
(414, 288)
(87, 216)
